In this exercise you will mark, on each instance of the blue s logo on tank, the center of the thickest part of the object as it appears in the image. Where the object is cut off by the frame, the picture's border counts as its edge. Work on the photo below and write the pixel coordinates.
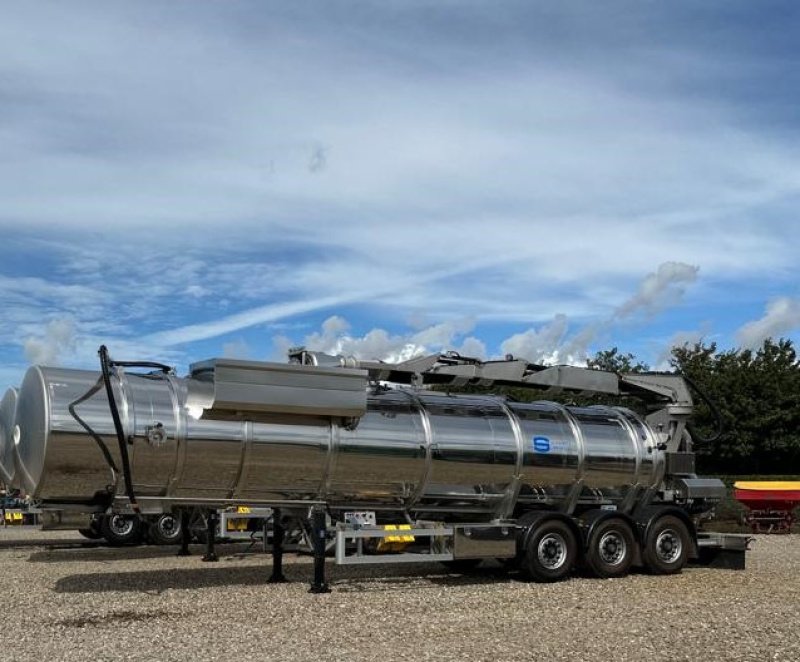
(541, 444)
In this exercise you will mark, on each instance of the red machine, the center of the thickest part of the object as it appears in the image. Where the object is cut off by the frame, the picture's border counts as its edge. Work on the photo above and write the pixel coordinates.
(770, 504)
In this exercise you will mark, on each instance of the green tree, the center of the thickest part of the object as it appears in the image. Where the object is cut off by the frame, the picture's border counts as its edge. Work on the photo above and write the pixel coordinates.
(613, 360)
(757, 394)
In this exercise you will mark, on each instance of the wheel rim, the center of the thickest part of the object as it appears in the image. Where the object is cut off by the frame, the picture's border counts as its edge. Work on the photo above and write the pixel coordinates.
(552, 551)
(167, 526)
(669, 546)
(612, 548)
(120, 525)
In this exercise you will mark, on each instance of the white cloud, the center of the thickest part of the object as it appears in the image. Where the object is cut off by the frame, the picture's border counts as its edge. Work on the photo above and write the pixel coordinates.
(781, 317)
(549, 343)
(449, 174)
(659, 289)
(537, 344)
(687, 338)
(236, 349)
(334, 337)
(49, 348)
(472, 347)
(197, 291)
(444, 333)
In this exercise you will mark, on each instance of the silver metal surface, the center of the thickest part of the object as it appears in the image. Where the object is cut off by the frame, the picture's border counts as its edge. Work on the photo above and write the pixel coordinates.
(346, 532)
(487, 542)
(668, 546)
(418, 451)
(121, 525)
(612, 548)
(552, 551)
(701, 488)
(276, 387)
(8, 468)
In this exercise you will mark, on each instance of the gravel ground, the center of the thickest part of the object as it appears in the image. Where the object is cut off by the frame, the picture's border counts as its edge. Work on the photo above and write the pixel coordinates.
(147, 604)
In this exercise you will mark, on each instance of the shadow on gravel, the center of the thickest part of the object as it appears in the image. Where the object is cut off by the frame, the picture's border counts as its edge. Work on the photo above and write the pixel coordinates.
(124, 616)
(341, 579)
(156, 581)
(410, 580)
(110, 554)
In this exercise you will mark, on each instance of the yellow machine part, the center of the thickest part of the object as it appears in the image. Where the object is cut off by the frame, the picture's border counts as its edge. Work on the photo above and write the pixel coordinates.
(779, 485)
(13, 517)
(238, 524)
(395, 543)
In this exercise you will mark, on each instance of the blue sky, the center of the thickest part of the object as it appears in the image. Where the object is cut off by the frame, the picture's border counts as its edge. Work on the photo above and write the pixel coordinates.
(185, 180)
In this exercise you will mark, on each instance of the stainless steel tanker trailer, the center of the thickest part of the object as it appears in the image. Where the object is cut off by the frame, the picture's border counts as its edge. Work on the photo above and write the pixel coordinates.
(361, 449)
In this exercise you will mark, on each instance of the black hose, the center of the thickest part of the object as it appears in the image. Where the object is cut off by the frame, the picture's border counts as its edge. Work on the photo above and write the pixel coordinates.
(142, 364)
(105, 366)
(714, 410)
(98, 440)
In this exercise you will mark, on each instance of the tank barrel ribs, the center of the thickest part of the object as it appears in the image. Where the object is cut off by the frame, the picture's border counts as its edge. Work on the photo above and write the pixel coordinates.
(373, 462)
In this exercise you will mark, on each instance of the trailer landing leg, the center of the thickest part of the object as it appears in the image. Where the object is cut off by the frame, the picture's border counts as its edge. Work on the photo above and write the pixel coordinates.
(185, 534)
(211, 533)
(319, 534)
(277, 576)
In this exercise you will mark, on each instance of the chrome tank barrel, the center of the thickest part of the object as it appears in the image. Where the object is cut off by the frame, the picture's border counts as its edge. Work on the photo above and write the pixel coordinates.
(416, 450)
(8, 464)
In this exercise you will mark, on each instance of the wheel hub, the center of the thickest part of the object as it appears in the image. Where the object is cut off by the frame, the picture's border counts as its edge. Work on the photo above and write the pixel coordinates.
(167, 525)
(668, 546)
(613, 548)
(121, 525)
(552, 551)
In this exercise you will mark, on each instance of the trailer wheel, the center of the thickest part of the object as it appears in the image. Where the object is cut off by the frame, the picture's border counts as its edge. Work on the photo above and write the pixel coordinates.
(611, 549)
(92, 532)
(550, 552)
(165, 530)
(120, 529)
(666, 546)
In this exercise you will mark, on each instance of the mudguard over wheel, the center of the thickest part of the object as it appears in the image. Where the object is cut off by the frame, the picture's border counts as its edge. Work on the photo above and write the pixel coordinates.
(550, 551)
(611, 549)
(666, 546)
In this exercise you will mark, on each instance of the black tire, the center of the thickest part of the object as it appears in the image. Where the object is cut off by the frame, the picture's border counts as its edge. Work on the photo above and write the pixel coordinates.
(611, 549)
(121, 530)
(509, 564)
(165, 530)
(92, 532)
(550, 550)
(666, 546)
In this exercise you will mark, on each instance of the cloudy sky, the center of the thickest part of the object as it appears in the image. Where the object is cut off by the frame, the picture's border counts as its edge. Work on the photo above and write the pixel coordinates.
(184, 180)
